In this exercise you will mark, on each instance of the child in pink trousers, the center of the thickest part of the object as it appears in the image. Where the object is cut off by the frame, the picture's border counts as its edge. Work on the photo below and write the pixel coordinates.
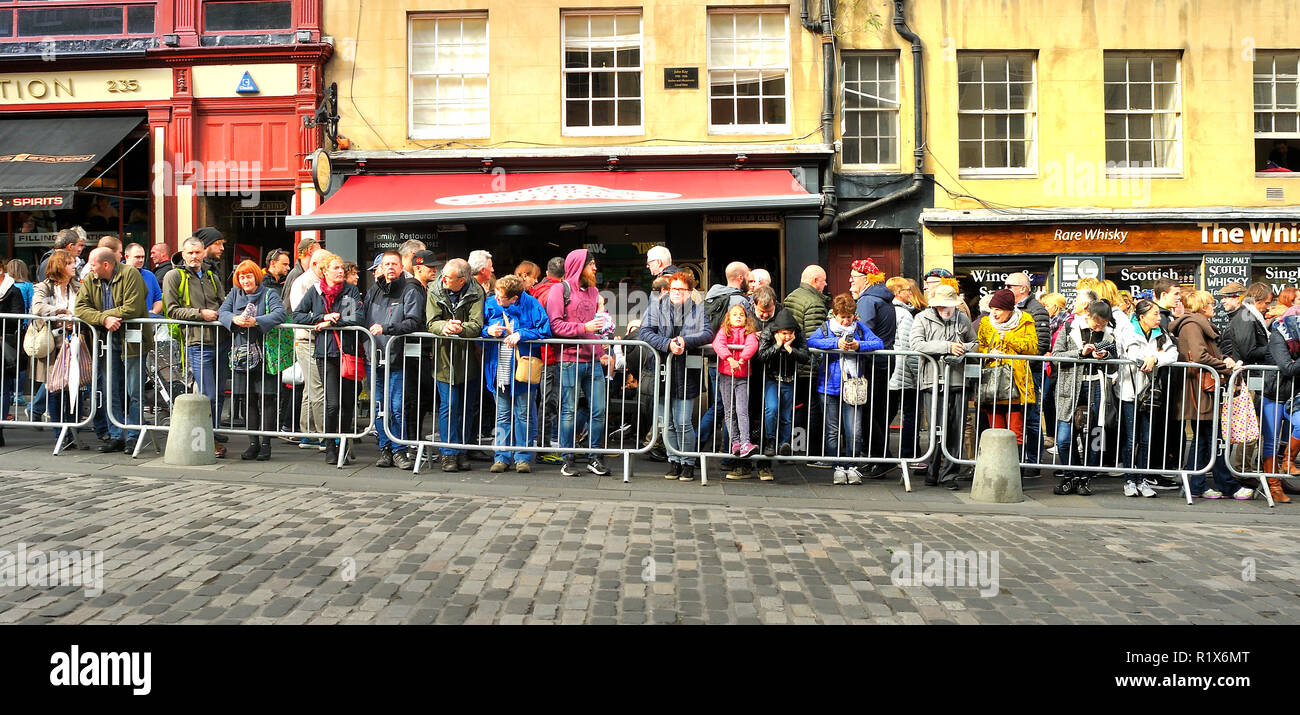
(735, 345)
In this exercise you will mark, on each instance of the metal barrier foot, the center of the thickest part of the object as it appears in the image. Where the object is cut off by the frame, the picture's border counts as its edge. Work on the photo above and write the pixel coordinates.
(139, 442)
(1187, 488)
(63, 435)
(704, 471)
(343, 452)
(627, 468)
(419, 459)
(906, 481)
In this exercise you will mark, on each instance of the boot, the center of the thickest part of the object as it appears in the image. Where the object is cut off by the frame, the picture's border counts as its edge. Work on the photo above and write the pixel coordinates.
(254, 446)
(1065, 487)
(264, 452)
(1081, 486)
(1288, 460)
(1275, 489)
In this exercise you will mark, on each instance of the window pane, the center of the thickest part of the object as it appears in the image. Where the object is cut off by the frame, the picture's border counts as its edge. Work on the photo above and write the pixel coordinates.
(995, 96)
(969, 127)
(968, 69)
(747, 111)
(1286, 96)
(1139, 154)
(1019, 96)
(476, 88)
(627, 25)
(576, 115)
(1019, 70)
(773, 24)
(995, 69)
(139, 19)
(602, 85)
(629, 84)
(245, 16)
(423, 87)
(424, 115)
(1284, 122)
(747, 25)
(1114, 71)
(772, 55)
(474, 30)
(720, 25)
(970, 96)
(602, 114)
(1017, 127)
(996, 155)
(1116, 97)
(722, 54)
(1163, 154)
(851, 153)
(602, 27)
(1165, 69)
(747, 84)
(575, 27)
(575, 59)
(1115, 127)
(1139, 127)
(1139, 70)
(969, 155)
(1263, 95)
(602, 58)
(1115, 154)
(721, 84)
(1164, 126)
(774, 111)
(748, 53)
(577, 85)
(1263, 122)
(995, 127)
(888, 150)
(1139, 96)
(1020, 154)
(722, 111)
(629, 113)
(629, 58)
(774, 86)
(70, 21)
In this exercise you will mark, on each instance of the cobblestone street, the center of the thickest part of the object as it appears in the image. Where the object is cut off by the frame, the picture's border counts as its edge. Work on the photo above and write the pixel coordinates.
(193, 550)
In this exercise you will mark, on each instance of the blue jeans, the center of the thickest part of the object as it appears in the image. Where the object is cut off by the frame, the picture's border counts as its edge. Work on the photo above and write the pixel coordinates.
(516, 422)
(1202, 452)
(1274, 413)
(681, 429)
(707, 432)
(1135, 437)
(38, 403)
(841, 414)
(389, 426)
(202, 363)
(589, 378)
(1090, 397)
(451, 415)
(123, 388)
(778, 410)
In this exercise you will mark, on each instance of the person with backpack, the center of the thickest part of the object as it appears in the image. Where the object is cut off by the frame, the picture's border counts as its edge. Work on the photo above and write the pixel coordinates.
(572, 312)
(194, 293)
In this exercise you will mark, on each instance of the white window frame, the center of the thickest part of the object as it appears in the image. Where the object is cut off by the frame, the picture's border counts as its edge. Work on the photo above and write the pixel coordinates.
(845, 57)
(1174, 171)
(1272, 79)
(608, 131)
(1031, 120)
(461, 131)
(785, 68)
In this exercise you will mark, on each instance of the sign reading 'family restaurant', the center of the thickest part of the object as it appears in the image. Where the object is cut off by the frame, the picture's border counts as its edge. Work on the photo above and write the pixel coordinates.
(1099, 238)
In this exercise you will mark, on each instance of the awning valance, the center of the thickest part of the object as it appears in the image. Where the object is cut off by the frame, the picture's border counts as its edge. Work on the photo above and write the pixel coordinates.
(423, 198)
(42, 159)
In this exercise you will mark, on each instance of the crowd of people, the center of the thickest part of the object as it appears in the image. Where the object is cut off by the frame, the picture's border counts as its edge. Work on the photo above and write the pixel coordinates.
(743, 372)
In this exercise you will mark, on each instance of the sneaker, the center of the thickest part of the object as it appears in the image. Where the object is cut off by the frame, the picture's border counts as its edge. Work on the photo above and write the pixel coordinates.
(1211, 494)
(385, 459)
(740, 471)
(688, 473)
(821, 464)
(569, 470)
(1244, 494)
(765, 474)
(746, 449)
(449, 463)
(597, 467)
(1163, 483)
(308, 443)
(1147, 491)
(785, 450)
(551, 458)
(462, 462)
(769, 449)
(1131, 489)
(735, 449)
(855, 477)
(841, 477)
(523, 468)
(402, 461)
(498, 467)
(674, 471)
(1051, 450)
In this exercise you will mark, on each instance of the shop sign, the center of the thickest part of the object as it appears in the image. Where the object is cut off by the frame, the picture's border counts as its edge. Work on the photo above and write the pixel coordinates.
(34, 239)
(48, 202)
(1277, 277)
(742, 218)
(275, 206)
(1069, 269)
(384, 240)
(1108, 238)
(1136, 279)
(117, 85)
(989, 280)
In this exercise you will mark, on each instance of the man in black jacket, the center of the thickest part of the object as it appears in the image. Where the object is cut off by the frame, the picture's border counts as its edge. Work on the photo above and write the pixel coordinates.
(394, 306)
(1020, 286)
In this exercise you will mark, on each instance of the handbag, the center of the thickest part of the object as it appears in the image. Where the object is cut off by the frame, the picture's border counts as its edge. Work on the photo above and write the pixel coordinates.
(39, 341)
(62, 371)
(353, 366)
(1238, 421)
(246, 356)
(855, 391)
(291, 375)
(277, 350)
(998, 384)
(528, 369)
(1208, 383)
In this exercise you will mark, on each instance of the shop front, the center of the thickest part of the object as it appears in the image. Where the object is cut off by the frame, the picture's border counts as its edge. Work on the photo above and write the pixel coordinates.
(1196, 248)
(706, 217)
(156, 145)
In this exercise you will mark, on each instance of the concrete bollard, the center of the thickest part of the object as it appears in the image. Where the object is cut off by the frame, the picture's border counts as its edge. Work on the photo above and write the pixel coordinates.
(997, 468)
(189, 441)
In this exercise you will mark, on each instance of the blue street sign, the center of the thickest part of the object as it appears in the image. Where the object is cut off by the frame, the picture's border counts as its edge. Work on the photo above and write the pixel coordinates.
(246, 85)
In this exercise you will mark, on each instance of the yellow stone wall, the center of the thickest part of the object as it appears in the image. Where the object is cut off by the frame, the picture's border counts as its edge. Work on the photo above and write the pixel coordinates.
(370, 67)
(1216, 39)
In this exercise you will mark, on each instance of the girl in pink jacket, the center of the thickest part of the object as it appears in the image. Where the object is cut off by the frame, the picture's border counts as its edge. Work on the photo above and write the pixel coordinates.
(735, 344)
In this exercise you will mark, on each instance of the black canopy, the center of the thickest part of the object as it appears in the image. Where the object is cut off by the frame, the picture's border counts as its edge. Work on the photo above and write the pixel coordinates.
(42, 159)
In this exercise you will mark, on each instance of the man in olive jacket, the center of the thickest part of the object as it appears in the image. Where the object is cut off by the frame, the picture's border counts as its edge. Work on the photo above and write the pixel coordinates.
(195, 292)
(454, 309)
(114, 292)
(809, 305)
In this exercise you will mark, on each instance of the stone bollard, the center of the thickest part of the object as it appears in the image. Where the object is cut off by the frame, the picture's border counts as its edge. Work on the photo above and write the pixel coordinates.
(189, 441)
(997, 468)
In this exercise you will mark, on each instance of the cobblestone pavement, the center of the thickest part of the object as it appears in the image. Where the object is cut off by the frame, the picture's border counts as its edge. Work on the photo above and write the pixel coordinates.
(194, 550)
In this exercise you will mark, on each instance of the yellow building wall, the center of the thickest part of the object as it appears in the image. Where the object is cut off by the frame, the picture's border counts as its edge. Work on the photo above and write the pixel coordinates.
(525, 81)
(1216, 39)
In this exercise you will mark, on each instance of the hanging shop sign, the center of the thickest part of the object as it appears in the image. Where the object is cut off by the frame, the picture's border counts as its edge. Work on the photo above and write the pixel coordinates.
(1069, 269)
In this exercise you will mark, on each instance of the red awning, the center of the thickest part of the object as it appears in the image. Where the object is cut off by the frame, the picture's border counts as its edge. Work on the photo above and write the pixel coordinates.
(421, 198)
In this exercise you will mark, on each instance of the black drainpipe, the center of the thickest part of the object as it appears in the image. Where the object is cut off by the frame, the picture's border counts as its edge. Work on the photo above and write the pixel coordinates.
(918, 154)
(827, 30)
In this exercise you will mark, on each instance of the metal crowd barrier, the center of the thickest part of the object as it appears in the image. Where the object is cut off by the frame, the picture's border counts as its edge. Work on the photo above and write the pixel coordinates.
(1096, 439)
(178, 356)
(623, 421)
(1263, 450)
(860, 432)
(18, 378)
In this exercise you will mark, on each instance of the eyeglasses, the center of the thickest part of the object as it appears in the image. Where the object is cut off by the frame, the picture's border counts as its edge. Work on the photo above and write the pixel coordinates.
(1014, 285)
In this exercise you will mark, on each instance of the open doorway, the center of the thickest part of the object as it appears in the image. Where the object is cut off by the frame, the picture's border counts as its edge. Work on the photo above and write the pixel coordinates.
(755, 247)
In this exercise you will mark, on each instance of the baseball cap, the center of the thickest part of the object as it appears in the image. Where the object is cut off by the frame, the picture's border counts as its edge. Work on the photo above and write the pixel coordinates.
(378, 259)
(424, 258)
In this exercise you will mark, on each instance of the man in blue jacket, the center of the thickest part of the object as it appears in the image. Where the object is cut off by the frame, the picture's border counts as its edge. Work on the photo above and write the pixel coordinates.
(876, 312)
(515, 317)
(394, 306)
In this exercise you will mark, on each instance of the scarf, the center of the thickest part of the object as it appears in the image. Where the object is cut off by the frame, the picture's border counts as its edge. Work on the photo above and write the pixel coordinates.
(330, 293)
(1012, 322)
(1289, 329)
(1252, 313)
(848, 366)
